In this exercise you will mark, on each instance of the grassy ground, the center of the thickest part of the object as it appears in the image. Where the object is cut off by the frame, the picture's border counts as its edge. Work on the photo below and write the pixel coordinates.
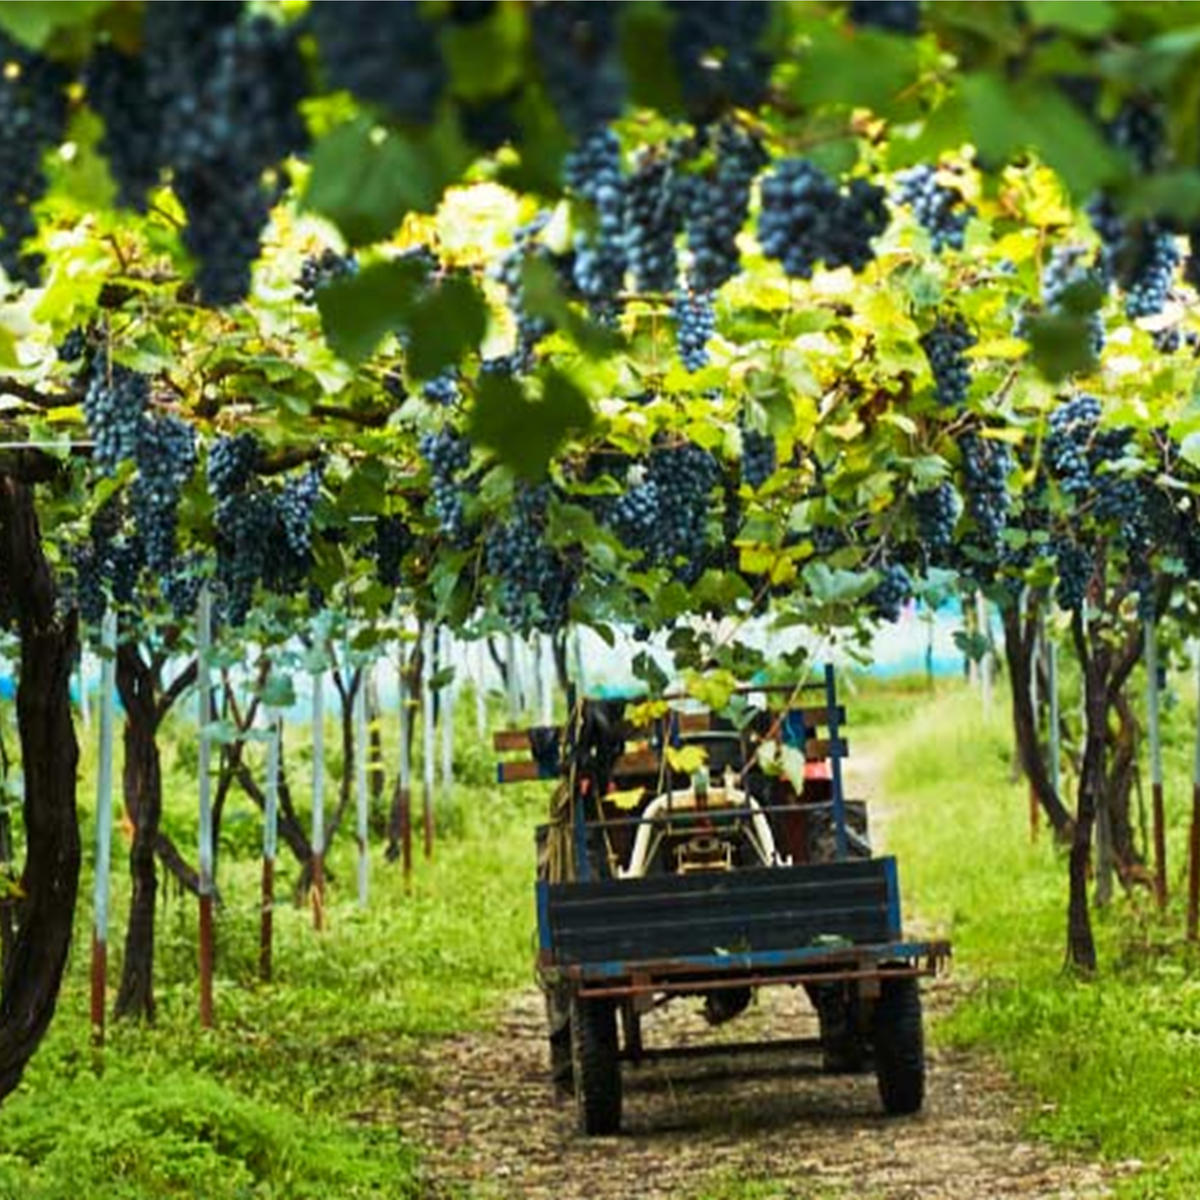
(1112, 1066)
(299, 1090)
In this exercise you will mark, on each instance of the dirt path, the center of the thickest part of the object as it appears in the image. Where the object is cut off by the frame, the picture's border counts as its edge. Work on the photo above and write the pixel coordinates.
(492, 1129)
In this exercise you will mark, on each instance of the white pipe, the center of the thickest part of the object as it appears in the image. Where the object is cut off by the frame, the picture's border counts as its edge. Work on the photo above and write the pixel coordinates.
(360, 779)
(104, 775)
(204, 712)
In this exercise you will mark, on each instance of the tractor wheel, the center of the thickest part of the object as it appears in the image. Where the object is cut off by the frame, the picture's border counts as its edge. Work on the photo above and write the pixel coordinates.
(558, 1023)
(596, 1066)
(899, 1046)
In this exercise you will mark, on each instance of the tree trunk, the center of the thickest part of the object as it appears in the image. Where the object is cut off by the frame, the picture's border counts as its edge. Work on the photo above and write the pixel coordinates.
(1081, 944)
(49, 754)
(143, 807)
(1019, 644)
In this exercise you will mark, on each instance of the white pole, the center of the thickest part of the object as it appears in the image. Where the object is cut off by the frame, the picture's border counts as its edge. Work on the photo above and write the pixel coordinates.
(360, 765)
(481, 721)
(85, 711)
(205, 854)
(577, 659)
(104, 788)
(513, 671)
(1158, 815)
(985, 663)
(271, 804)
(428, 746)
(447, 710)
(204, 715)
(1052, 687)
(318, 799)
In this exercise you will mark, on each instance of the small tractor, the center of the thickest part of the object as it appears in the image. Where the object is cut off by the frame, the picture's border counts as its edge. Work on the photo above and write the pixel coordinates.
(659, 877)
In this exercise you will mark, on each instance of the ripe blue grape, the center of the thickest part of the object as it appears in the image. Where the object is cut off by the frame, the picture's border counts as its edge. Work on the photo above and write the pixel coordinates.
(318, 270)
(986, 464)
(759, 458)
(718, 54)
(114, 407)
(940, 210)
(886, 600)
(232, 462)
(695, 323)
(33, 115)
(593, 173)
(807, 219)
(390, 544)
(937, 511)
(653, 218)
(386, 54)
(576, 49)
(447, 454)
(166, 458)
(945, 345)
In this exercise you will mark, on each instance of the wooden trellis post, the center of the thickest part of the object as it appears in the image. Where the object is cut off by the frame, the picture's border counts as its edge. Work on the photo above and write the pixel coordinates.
(104, 790)
(362, 796)
(266, 930)
(205, 849)
(318, 799)
(1157, 814)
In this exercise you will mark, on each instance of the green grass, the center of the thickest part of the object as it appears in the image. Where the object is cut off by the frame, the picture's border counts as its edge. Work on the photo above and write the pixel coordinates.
(301, 1090)
(1112, 1066)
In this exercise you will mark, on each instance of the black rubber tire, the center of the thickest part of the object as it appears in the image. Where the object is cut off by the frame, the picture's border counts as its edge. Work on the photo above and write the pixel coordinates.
(899, 1046)
(843, 1047)
(596, 1066)
(558, 1022)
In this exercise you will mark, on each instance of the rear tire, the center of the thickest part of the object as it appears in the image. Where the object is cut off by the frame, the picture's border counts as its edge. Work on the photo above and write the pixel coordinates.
(899, 1046)
(558, 1022)
(596, 1066)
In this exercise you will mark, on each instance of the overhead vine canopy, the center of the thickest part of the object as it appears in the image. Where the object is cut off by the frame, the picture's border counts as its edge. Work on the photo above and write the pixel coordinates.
(602, 313)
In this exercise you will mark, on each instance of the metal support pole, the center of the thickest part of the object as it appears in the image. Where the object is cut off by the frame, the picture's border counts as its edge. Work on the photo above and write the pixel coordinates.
(835, 761)
(513, 683)
(447, 706)
(104, 790)
(205, 854)
(481, 717)
(1153, 734)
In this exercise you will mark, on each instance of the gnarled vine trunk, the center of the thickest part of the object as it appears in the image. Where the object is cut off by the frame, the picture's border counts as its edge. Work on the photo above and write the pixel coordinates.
(49, 753)
(143, 807)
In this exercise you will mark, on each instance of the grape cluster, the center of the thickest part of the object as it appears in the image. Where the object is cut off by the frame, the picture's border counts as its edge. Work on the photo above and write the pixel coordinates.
(945, 346)
(986, 464)
(1172, 339)
(386, 54)
(232, 462)
(592, 171)
(653, 218)
(807, 219)
(528, 247)
(246, 527)
(940, 210)
(225, 91)
(114, 407)
(318, 270)
(1140, 128)
(695, 323)
(442, 389)
(575, 46)
(717, 53)
(33, 114)
(716, 203)
(166, 458)
(75, 347)
(1072, 426)
(181, 585)
(296, 504)
(447, 455)
(663, 515)
(117, 90)
(534, 581)
(887, 598)
(1149, 280)
(759, 458)
(937, 512)
(1075, 567)
(1066, 275)
(390, 543)
(892, 16)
